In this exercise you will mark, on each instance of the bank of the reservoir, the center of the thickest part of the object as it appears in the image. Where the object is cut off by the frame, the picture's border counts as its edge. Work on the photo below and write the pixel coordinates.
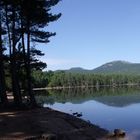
(40, 122)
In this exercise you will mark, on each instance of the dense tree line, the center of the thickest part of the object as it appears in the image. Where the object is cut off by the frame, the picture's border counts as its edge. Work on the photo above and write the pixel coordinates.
(64, 79)
(22, 24)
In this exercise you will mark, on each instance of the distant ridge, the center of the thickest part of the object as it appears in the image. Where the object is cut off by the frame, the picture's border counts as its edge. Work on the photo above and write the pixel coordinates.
(77, 69)
(114, 67)
(119, 67)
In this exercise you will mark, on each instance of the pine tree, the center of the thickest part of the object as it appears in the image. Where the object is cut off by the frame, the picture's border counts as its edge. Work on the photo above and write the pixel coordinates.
(35, 16)
(25, 22)
(3, 95)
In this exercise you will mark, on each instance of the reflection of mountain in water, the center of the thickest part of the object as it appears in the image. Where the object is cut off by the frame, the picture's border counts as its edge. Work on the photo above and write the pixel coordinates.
(119, 101)
(110, 96)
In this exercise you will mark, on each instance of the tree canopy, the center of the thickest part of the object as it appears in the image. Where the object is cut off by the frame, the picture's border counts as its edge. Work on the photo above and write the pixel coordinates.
(22, 22)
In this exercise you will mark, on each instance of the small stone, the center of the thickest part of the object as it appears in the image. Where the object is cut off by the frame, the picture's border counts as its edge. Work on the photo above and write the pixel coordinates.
(119, 132)
(75, 113)
(33, 138)
(79, 115)
(49, 136)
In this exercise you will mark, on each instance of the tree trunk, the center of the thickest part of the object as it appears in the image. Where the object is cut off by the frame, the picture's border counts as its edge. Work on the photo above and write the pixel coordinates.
(3, 95)
(14, 70)
(29, 78)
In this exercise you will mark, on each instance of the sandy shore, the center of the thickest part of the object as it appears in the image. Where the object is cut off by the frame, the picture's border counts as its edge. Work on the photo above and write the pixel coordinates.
(47, 123)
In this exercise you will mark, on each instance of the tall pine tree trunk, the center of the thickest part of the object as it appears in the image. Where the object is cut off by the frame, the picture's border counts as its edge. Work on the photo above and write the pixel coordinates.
(3, 95)
(27, 59)
(29, 78)
(14, 70)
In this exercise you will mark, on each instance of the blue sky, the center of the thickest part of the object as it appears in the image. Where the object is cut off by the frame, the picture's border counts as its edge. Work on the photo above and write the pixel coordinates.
(93, 32)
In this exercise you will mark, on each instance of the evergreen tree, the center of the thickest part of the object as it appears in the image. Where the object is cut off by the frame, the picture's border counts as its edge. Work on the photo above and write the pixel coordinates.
(35, 16)
(3, 95)
(25, 22)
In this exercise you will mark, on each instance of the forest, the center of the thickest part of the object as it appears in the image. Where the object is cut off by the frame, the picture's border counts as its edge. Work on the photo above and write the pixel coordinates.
(68, 80)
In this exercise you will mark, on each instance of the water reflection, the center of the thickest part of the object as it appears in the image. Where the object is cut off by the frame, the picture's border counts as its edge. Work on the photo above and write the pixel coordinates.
(118, 97)
(109, 108)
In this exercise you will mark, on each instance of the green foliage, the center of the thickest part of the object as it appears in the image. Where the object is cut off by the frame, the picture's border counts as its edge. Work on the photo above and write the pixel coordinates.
(67, 80)
(88, 80)
(40, 79)
(22, 24)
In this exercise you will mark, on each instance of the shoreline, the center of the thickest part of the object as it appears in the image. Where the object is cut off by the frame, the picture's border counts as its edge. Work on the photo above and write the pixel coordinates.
(37, 122)
(99, 86)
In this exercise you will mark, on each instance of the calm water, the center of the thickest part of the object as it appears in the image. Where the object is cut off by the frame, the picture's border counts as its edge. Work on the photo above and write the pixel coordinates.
(108, 108)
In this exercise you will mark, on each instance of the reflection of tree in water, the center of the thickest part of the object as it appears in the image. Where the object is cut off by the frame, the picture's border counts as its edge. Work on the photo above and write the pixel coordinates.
(43, 96)
(80, 95)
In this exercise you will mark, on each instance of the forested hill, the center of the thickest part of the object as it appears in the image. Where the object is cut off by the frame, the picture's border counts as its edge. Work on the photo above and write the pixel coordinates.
(119, 67)
(78, 70)
(116, 73)
(114, 67)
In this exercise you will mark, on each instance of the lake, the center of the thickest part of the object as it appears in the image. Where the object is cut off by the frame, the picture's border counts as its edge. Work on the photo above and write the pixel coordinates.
(109, 108)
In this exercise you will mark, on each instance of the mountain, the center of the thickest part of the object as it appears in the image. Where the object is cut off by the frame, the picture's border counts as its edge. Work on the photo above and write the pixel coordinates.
(119, 67)
(114, 67)
(77, 70)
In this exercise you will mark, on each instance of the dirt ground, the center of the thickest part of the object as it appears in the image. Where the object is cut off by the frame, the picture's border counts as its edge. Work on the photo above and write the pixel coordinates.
(45, 123)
